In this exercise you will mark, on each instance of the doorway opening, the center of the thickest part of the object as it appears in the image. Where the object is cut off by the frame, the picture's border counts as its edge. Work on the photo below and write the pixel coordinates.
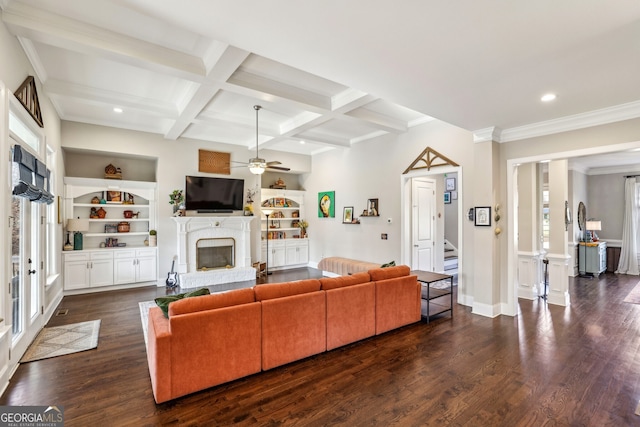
(416, 229)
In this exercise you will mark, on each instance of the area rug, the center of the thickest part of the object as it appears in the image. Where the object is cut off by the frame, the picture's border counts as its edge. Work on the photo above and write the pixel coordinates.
(634, 295)
(61, 340)
(144, 317)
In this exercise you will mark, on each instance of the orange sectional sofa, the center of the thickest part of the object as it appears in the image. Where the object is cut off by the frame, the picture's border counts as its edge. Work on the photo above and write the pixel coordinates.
(212, 339)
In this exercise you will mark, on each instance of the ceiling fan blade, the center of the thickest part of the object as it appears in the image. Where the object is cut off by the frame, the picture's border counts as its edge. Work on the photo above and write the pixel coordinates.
(275, 162)
(280, 168)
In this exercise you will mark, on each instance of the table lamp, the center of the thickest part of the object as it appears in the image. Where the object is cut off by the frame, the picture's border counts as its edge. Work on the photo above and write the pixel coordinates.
(77, 226)
(593, 226)
(266, 213)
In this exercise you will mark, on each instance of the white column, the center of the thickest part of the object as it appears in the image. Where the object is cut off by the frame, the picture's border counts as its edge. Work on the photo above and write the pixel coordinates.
(529, 257)
(558, 237)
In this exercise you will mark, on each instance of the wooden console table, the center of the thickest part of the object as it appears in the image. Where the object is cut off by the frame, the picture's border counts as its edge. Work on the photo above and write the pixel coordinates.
(431, 297)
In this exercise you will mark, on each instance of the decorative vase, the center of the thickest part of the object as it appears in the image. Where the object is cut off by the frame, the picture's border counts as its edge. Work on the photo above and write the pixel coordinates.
(153, 240)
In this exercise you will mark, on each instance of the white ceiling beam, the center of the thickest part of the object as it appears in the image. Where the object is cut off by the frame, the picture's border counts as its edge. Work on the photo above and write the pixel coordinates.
(302, 122)
(55, 30)
(225, 59)
(349, 100)
(379, 121)
(108, 97)
(268, 86)
(325, 141)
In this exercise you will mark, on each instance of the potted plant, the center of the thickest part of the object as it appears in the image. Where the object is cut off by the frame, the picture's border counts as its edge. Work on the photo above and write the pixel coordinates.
(153, 238)
(302, 224)
(176, 198)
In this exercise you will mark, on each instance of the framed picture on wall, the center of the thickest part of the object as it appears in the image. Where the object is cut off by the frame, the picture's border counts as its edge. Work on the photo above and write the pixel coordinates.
(450, 184)
(326, 204)
(483, 215)
(347, 215)
(447, 197)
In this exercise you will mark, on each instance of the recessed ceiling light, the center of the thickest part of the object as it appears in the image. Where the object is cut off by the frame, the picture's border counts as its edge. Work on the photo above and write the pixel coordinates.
(545, 161)
(548, 97)
(117, 110)
(301, 142)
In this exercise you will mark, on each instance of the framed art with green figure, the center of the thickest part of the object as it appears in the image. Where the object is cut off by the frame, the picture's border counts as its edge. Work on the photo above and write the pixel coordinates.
(326, 204)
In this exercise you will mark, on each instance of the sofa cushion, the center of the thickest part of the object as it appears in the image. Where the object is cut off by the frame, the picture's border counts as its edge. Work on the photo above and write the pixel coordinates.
(279, 290)
(163, 302)
(389, 272)
(388, 264)
(212, 302)
(342, 281)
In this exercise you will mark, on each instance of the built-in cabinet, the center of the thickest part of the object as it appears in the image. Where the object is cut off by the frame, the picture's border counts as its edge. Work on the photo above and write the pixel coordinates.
(86, 269)
(112, 253)
(592, 257)
(130, 266)
(287, 246)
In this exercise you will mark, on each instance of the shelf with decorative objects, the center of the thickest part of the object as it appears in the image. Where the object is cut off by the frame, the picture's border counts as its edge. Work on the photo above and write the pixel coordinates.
(282, 233)
(110, 222)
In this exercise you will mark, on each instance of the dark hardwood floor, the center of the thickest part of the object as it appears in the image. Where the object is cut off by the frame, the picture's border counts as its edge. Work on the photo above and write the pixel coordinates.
(549, 366)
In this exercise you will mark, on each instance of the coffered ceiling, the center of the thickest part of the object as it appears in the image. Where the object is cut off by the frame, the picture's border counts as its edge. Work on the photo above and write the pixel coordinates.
(332, 73)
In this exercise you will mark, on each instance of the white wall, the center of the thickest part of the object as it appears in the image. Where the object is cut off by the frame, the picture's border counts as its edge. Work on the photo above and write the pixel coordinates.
(14, 69)
(374, 170)
(606, 203)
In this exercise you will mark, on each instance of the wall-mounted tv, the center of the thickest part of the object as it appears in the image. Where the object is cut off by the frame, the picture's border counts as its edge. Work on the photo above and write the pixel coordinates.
(206, 194)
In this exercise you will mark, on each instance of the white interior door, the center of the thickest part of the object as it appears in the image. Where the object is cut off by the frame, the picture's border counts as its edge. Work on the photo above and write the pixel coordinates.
(422, 223)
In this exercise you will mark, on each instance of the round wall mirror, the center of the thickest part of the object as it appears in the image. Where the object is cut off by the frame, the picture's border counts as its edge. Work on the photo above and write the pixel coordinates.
(582, 216)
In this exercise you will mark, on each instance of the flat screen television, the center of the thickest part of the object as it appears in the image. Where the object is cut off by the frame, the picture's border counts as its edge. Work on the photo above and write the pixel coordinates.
(206, 194)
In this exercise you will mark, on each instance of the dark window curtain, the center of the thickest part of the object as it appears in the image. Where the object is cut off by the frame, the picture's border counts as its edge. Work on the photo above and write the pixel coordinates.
(30, 181)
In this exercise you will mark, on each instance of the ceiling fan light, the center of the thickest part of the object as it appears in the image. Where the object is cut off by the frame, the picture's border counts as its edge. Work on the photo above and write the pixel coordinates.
(256, 169)
(257, 166)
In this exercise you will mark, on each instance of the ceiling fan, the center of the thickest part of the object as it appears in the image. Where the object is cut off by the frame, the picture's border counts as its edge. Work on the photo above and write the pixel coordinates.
(258, 165)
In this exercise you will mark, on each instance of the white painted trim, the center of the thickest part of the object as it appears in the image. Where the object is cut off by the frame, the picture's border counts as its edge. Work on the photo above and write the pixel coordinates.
(616, 113)
(486, 310)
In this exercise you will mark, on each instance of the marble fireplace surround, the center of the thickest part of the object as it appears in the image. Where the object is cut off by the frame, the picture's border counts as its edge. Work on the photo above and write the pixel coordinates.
(192, 228)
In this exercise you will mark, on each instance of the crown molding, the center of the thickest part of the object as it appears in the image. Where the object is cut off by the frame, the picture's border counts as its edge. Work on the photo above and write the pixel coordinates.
(610, 170)
(487, 134)
(616, 113)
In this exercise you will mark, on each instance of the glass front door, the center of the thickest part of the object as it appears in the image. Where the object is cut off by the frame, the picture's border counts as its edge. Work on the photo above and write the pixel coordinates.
(26, 273)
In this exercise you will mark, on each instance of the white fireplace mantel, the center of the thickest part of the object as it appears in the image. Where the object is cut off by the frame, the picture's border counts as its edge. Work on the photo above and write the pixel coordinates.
(192, 228)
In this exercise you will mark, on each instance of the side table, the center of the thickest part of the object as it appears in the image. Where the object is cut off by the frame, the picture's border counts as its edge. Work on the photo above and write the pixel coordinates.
(432, 298)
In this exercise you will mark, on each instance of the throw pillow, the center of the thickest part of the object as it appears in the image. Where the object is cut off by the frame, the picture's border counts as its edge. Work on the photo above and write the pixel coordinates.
(389, 264)
(163, 302)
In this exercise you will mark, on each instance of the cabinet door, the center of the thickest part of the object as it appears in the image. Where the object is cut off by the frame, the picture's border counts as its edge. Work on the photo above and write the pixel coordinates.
(277, 258)
(124, 270)
(76, 274)
(292, 255)
(101, 272)
(146, 269)
(303, 253)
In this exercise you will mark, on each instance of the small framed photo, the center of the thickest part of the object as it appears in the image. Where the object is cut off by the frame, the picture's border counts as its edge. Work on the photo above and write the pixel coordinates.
(483, 216)
(114, 196)
(450, 184)
(372, 207)
(347, 215)
(447, 197)
(454, 195)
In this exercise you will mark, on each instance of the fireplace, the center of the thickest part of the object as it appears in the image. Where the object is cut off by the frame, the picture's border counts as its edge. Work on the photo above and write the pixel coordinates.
(215, 253)
(204, 256)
